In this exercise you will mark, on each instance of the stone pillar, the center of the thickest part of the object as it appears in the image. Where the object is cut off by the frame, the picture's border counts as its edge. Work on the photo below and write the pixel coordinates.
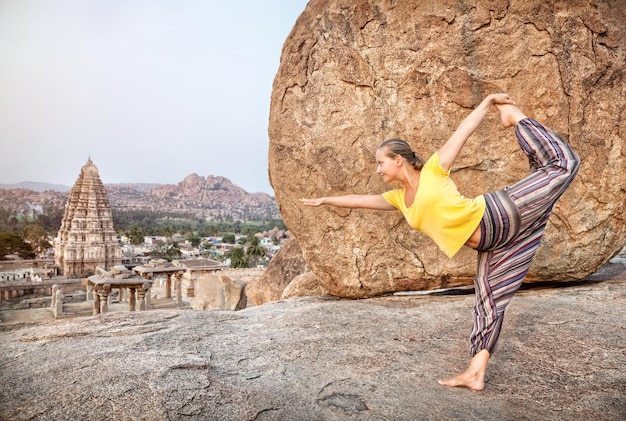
(90, 295)
(149, 299)
(104, 298)
(179, 292)
(55, 288)
(142, 293)
(131, 299)
(96, 300)
(58, 304)
(168, 286)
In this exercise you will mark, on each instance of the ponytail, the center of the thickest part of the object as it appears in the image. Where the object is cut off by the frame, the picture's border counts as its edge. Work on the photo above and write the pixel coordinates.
(397, 147)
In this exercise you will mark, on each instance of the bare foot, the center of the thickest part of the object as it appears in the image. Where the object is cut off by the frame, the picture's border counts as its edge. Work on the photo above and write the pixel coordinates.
(474, 381)
(474, 376)
(510, 115)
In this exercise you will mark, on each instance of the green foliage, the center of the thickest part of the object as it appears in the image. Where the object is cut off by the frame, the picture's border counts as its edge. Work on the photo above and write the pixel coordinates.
(237, 258)
(36, 236)
(50, 219)
(229, 238)
(33, 229)
(163, 223)
(255, 252)
(194, 239)
(12, 243)
(166, 251)
(135, 235)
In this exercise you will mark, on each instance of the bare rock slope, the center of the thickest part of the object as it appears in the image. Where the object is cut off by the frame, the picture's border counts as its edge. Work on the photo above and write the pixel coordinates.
(353, 73)
(561, 356)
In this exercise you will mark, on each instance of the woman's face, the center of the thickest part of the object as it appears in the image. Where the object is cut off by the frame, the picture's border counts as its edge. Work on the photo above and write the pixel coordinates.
(387, 167)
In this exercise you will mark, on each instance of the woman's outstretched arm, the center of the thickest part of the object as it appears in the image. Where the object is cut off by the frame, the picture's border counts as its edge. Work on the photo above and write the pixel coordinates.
(366, 201)
(451, 149)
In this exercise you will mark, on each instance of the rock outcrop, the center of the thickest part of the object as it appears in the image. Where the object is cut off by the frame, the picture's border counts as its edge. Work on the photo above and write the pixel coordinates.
(282, 269)
(561, 357)
(304, 285)
(211, 197)
(219, 292)
(354, 73)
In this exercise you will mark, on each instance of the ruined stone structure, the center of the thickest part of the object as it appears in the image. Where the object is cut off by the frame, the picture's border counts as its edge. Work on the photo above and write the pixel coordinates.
(86, 238)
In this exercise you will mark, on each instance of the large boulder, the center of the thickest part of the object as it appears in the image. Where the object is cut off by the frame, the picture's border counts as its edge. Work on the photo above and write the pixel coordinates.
(304, 285)
(219, 292)
(282, 269)
(353, 73)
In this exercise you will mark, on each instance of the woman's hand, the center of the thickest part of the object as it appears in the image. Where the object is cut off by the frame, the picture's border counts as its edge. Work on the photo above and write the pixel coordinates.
(451, 149)
(500, 98)
(313, 202)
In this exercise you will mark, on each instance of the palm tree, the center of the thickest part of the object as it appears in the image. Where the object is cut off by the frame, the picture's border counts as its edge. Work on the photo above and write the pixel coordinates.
(194, 239)
(238, 258)
(168, 231)
(135, 235)
(255, 251)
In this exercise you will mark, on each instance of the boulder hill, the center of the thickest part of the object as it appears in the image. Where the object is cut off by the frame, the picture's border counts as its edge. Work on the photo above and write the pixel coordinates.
(210, 197)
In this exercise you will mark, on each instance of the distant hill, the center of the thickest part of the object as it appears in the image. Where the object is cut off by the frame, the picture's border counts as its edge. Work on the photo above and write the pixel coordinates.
(36, 186)
(140, 187)
(208, 197)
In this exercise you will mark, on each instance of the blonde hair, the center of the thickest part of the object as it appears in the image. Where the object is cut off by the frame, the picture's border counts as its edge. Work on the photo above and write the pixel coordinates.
(397, 147)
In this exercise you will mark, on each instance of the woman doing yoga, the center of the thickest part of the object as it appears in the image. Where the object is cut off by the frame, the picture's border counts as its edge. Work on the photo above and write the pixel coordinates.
(504, 226)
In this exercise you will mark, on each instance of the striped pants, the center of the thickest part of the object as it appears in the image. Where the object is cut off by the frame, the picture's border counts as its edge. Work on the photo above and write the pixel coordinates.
(513, 224)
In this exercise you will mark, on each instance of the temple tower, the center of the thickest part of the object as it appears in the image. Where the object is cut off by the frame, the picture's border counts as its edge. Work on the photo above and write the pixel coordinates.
(86, 238)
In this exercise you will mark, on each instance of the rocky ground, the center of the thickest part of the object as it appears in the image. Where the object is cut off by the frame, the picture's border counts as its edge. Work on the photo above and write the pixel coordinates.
(562, 355)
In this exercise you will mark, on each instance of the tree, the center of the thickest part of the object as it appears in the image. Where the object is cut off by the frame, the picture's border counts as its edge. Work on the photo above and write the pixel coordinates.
(255, 251)
(168, 231)
(212, 231)
(166, 251)
(135, 235)
(36, 236)
(237, 258)
(12, 243)
(228, 238)
(51, 218)
(194, 239)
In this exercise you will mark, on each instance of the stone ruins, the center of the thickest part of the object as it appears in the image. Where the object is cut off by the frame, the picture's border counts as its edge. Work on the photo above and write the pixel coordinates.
(86, 238)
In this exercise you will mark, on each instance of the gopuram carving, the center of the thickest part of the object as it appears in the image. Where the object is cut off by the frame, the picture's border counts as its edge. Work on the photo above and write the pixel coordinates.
(86, 238)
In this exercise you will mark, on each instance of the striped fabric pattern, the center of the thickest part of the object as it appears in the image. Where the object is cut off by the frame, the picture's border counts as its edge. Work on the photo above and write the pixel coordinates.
(513, 225)
(501, 221)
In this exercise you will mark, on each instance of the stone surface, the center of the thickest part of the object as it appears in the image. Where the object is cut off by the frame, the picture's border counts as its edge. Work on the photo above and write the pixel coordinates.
(219, 292)
(284, 266)
(353, 73)
(561, 357)
(305, 285)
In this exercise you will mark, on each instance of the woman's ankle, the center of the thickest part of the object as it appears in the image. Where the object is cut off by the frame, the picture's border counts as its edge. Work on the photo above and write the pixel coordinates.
(510, 114)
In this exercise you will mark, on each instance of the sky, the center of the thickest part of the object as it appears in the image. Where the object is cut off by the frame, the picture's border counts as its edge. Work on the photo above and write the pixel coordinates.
(150, 90)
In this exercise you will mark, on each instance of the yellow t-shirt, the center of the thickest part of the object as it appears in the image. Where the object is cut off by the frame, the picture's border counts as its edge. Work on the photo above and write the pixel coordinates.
(439, 210)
